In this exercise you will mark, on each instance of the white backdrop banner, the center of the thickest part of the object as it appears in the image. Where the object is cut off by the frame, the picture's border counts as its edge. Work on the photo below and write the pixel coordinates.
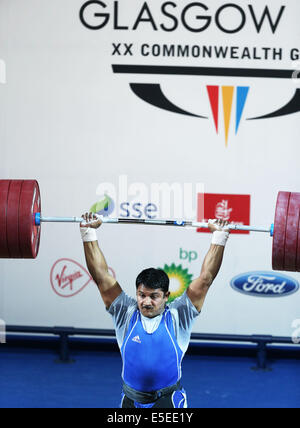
(151, 109)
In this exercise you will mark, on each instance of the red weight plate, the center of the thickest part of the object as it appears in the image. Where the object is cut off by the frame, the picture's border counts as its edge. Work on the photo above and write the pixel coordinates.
(29, 233)
(4, 190)
(279, 236)
(291, 240)
(12, 222)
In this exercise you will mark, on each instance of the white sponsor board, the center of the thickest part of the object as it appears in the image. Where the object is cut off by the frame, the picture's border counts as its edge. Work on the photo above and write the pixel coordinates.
(167, 93)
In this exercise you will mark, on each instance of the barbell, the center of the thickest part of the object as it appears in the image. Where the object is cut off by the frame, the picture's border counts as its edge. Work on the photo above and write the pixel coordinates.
(21, 219)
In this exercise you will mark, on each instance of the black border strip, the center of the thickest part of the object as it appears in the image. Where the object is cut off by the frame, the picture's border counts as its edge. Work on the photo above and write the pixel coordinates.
(205, 71)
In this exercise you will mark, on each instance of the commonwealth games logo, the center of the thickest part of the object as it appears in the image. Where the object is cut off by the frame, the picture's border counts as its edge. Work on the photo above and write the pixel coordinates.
(226, 101)
(228, 93)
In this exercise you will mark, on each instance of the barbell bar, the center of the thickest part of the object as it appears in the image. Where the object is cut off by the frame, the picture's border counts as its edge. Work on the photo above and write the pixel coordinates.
(21, 220)
(153, 222)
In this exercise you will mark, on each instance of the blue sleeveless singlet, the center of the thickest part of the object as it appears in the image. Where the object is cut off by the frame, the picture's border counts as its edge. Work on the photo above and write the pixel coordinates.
(151, 361)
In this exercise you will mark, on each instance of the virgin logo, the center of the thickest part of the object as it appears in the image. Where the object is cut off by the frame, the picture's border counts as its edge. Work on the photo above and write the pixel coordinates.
(69, 278)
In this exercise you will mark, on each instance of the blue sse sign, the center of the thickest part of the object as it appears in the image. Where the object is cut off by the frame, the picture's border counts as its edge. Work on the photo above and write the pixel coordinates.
(106, 206)
(265, 284)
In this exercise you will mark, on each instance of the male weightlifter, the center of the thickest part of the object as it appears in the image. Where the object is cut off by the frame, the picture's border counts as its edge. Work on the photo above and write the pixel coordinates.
(153, 337)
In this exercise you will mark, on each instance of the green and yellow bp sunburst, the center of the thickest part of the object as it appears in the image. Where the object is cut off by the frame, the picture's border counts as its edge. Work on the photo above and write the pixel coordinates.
(180, 279)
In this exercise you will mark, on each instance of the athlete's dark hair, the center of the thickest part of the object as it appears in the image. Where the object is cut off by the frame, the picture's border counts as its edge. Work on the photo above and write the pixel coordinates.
(153, 278)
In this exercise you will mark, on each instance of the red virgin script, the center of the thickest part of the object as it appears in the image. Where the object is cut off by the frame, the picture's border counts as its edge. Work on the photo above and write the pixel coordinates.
(69, 278)
(232, 208)
(67, 281)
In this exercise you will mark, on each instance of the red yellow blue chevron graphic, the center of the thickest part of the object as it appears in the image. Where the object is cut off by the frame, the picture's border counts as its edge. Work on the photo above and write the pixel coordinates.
(227, 93)
(221, 98)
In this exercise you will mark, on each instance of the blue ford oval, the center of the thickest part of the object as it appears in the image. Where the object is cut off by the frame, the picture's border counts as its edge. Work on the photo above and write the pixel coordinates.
(265, 284)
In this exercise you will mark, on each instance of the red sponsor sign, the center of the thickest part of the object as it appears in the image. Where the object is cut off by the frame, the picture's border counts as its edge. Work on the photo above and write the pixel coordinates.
(232, 208)
(69, 278)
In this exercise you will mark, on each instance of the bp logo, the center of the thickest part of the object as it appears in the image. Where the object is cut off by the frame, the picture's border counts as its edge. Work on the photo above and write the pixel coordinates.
(180, 279)
(104, 207)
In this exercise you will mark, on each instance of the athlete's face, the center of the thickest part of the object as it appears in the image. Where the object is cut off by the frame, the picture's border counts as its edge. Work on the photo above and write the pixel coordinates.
(151, 303)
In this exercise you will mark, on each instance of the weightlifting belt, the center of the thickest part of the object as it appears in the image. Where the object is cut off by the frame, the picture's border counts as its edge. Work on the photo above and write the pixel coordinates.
(148, 397)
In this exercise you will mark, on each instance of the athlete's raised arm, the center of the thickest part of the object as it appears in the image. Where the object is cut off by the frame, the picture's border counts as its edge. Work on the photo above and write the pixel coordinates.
(108, 286)
(198, 289)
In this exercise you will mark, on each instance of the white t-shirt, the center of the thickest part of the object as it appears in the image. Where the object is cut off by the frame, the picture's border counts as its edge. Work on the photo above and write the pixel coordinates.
(182, 310)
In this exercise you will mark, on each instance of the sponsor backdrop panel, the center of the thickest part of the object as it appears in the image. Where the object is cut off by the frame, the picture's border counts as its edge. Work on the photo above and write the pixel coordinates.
(133, 93)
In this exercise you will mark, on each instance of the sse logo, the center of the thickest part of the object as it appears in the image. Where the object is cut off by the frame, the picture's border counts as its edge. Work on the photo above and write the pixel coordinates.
(106, 206)
(265, 284)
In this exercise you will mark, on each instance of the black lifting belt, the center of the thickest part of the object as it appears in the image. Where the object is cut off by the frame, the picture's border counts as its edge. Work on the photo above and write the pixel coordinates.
(148, 397)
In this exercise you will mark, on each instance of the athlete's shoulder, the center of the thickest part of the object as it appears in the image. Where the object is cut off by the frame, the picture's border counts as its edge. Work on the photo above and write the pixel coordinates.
(180, 301)
(183, 307)
(123, 301)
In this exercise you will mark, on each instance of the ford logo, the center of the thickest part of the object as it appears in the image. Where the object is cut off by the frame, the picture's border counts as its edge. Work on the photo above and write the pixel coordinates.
(265, 284)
